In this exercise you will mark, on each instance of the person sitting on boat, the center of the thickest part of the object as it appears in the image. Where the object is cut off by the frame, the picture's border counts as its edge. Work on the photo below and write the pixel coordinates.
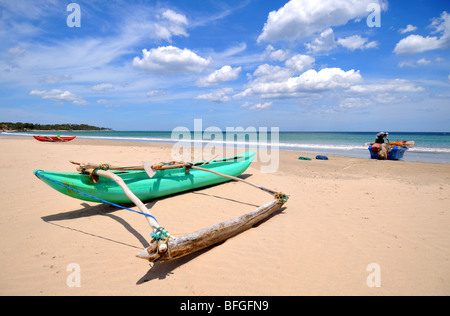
(380, 137)
(383, 147)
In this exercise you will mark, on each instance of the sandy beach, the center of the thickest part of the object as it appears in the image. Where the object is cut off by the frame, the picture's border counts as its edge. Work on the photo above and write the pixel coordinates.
(344, 217)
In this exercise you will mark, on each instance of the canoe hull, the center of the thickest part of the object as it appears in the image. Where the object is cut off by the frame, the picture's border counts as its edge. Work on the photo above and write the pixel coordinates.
(165, 182)
(53, 138)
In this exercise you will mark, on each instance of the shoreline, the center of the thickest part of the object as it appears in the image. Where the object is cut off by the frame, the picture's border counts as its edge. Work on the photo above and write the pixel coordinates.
(410, 156)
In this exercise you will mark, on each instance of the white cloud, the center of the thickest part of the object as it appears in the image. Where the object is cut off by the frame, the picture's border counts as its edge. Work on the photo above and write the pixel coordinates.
(219, 96)
(294, 65)
(257, 107)
(396, 85)
(420, 62)
(269, 49)
(324, 42)
(385, 92)
(175, 17)
(302, 18)
(352, 103)
(100, 52)
(310, 81)
(279, 55)
(21, 18)
(170, 24)
(229, 55)
(414, 44)
(327, 78)
(356, 42)
(56, 79)
(155, 93)
(261, 106)
(73, 57)
(408, 28)
(226, 73)
(13, 55)
(384, 98)
(299, 63)
(269, 73)
(59, 96)
(423, 61)
(170, 60)
(102, 87)
(16, 51)
(407, 63)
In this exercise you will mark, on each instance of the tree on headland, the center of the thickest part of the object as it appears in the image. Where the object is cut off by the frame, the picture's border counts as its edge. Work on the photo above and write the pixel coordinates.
(19, 126)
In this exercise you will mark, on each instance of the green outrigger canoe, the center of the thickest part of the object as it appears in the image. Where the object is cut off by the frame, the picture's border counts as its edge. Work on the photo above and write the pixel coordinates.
(163, 183)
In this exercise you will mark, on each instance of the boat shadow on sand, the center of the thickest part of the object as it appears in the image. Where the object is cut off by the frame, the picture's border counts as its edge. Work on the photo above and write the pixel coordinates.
(107, 210)
(102, 210)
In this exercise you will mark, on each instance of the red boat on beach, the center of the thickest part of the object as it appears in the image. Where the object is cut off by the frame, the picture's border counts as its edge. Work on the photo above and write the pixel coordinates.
(54, 138)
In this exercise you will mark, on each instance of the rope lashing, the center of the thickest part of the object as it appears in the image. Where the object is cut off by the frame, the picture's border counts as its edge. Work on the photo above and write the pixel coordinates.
(188, 167)
(161, 236)
(103, 166)
(282, 198)
(93, 173)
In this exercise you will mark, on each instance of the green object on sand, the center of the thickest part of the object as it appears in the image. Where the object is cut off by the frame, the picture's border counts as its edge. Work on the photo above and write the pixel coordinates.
(164, 182)
(304, 158)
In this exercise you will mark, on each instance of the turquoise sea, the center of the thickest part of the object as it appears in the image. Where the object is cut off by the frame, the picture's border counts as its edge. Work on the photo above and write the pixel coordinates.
(430, 147)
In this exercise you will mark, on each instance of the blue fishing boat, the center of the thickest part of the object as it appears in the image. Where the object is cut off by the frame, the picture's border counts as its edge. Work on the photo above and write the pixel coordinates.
(395, 153)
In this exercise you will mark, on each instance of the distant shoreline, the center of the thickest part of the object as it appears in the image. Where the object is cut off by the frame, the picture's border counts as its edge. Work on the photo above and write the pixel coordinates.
(429, 149)
(58, 130)
(61, 127)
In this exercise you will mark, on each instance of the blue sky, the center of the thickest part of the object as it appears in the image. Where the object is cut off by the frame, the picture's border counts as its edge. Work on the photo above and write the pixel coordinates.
(299, 65)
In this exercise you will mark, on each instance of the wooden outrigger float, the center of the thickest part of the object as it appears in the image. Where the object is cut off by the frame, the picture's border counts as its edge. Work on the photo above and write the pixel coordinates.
(180, 246)
(165, 247)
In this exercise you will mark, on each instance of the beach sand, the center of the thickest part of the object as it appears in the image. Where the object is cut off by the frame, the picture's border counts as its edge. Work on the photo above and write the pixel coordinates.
(344, 217)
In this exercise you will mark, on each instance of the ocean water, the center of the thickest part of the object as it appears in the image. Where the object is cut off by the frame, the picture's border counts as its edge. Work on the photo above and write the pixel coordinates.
(430, 147)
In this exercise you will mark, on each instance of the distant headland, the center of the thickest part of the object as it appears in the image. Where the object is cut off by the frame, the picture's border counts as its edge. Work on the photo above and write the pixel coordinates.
(19, 126)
